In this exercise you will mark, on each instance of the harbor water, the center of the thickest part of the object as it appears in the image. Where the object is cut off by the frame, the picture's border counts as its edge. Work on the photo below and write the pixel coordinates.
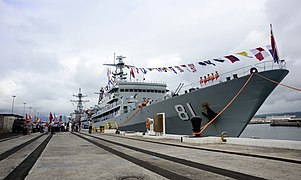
(265, 131)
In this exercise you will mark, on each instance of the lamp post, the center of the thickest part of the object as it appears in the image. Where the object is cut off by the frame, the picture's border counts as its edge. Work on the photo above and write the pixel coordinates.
(24, 110)
(13, 104)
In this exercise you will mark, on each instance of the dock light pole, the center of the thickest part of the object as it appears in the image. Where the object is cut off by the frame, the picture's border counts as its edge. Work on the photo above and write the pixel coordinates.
(24, 110)
(13, 104)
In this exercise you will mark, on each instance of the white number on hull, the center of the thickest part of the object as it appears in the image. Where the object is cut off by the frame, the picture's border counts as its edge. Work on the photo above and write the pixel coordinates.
(182, 111)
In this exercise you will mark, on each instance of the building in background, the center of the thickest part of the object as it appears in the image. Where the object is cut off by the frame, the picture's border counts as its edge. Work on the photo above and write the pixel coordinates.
(6, 122)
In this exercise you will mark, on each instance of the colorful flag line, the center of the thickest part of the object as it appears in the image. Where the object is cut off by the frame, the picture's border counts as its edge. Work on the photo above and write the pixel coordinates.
(259, 53)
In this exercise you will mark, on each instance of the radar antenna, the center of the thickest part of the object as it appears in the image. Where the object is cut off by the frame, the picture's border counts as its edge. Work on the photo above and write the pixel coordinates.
(119, 74)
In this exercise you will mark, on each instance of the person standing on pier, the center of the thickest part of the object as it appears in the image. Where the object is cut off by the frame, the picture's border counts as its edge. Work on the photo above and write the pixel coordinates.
(90, 126)
(24, 128)
(51, 127)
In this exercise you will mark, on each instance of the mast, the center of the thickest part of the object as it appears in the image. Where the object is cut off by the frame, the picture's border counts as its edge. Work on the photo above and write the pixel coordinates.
(100, 95)
(80, 108)
(119, 74)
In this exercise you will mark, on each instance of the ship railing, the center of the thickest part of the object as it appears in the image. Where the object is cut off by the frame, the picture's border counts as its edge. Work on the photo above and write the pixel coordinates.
(109, 108)
(105, 109)
(144, 81)
(261, 66)
(103, 117)
(240, 72)
(107, 95)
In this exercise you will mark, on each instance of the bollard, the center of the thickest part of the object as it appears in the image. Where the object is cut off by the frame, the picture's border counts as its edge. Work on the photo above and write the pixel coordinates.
(101, 129)
(196, 125)
(223, 135)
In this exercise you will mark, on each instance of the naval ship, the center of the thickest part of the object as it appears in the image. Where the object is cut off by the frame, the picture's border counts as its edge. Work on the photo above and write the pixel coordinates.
(127, 105)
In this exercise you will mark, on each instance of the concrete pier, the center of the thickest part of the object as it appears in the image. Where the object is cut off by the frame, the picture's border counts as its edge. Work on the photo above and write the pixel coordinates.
(67, 156)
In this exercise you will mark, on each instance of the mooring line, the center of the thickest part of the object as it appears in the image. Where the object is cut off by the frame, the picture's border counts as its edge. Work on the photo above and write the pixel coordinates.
(206, 125)
(287, 86)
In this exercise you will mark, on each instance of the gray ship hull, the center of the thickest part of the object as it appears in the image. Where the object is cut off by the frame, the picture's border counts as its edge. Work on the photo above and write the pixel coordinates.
(233, 120)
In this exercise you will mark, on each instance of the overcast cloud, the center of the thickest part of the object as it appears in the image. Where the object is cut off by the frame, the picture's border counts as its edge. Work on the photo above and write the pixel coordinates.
(49, 49)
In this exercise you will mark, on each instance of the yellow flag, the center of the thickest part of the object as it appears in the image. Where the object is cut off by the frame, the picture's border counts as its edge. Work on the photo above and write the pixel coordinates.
(244, 53)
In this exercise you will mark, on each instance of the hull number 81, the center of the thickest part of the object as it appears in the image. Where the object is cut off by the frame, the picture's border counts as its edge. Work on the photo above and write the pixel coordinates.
(182, 113)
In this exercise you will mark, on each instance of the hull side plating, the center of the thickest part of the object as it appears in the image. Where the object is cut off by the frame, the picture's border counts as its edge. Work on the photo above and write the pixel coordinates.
(233, 120)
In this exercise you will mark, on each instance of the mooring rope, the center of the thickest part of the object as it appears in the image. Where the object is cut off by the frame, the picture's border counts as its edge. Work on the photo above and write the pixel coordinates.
(206, 125)
(297, 89)
(129, 118)
(212, 120)
(140, 107)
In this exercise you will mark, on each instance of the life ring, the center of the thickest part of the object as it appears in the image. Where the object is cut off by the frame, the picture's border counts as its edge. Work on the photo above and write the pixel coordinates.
(147, 125)
(253, 70)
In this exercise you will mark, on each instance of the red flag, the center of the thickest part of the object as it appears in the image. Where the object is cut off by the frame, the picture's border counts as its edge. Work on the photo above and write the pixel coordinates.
(55, 119)
(232, 58)
(50, 117)
(27, 117)
(181, 70)
(260, 53)
(192, 67)
(274, 47)
(132, 73)
(30, 118)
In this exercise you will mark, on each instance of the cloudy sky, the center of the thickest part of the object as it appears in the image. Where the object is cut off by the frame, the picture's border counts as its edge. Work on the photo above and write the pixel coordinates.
(49, 49)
